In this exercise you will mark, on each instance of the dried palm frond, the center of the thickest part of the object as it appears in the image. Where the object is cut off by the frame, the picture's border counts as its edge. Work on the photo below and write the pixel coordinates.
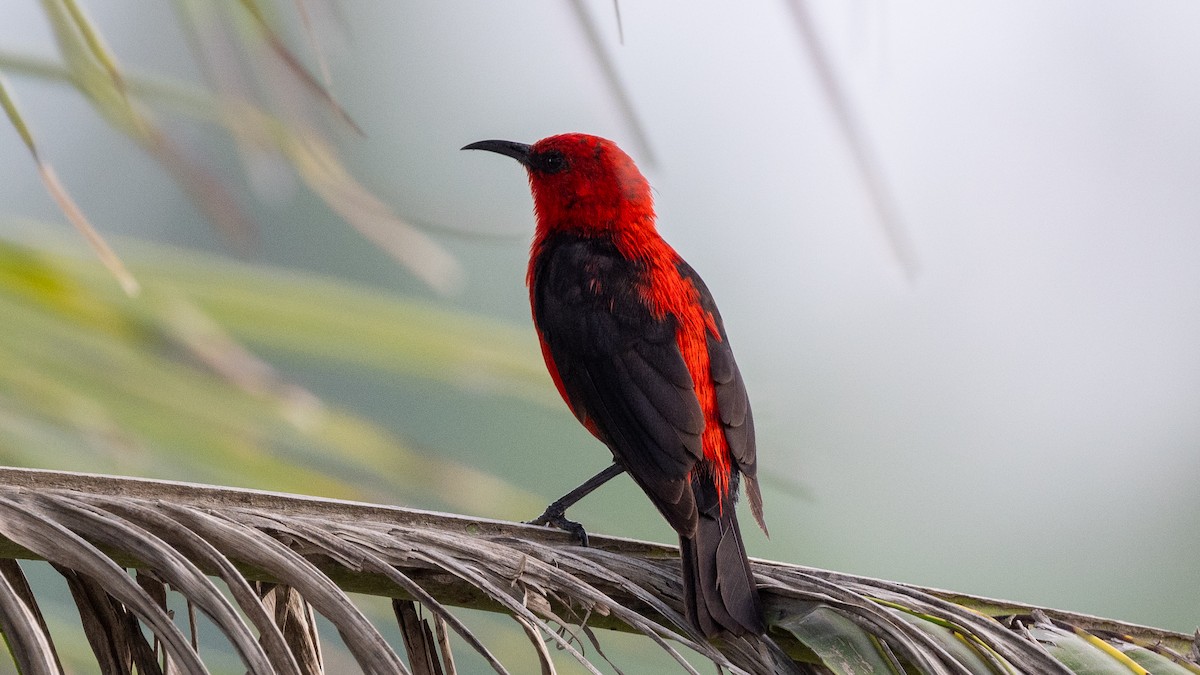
(262, 565)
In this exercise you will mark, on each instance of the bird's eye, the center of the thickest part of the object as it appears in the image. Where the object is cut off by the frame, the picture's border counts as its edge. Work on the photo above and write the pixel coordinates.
(551, 162)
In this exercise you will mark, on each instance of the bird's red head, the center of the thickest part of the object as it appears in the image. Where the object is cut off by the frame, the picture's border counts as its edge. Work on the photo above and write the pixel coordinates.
(581, 183)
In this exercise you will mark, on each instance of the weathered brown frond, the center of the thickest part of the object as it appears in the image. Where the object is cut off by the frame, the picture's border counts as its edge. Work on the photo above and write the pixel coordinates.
(304, 555)
(93, 578)
(297, 622)
(111, 629)
(208, 558)
(424, 652)
(103, 528)
(255, 547)
(22, 623)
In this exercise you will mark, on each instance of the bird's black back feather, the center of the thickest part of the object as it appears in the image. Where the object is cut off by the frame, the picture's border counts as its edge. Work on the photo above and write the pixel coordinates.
(623, 373)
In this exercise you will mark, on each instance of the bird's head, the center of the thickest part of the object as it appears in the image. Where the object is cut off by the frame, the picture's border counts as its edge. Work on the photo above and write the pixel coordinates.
(581, 183)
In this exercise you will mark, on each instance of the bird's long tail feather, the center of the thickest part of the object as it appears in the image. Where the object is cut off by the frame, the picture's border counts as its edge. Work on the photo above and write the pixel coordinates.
(718, 586)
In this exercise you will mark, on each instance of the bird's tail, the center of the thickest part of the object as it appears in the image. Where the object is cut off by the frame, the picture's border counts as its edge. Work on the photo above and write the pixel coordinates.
(718, 588)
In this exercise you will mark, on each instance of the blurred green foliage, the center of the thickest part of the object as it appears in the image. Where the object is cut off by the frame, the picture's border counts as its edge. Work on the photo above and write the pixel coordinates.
(162, 385)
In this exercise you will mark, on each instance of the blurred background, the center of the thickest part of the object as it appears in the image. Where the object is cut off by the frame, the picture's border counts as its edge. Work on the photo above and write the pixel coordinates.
(955, 247)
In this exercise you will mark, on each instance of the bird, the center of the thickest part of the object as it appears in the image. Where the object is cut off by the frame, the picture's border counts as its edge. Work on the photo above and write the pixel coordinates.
(635, 345)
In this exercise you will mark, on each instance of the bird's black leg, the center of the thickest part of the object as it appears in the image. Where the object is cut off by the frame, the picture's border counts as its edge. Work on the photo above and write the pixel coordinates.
(555, 514)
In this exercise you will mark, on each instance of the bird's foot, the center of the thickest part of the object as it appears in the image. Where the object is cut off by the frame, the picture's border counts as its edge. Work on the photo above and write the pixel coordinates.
(555, 516)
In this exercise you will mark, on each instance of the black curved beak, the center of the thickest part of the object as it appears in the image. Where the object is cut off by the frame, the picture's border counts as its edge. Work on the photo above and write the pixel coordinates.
(518, 151)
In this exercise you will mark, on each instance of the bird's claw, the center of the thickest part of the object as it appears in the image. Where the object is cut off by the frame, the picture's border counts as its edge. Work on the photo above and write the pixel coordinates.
(557, 519)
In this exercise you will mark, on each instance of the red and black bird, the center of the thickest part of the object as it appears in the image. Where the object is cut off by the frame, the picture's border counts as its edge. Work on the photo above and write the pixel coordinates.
(634, 342)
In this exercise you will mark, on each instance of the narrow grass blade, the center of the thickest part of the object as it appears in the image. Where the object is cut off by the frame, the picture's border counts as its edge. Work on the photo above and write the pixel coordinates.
(68, 206)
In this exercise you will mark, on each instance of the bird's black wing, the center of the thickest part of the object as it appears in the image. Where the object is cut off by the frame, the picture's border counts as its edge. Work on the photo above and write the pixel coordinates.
(620, 368)
(733, 402)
